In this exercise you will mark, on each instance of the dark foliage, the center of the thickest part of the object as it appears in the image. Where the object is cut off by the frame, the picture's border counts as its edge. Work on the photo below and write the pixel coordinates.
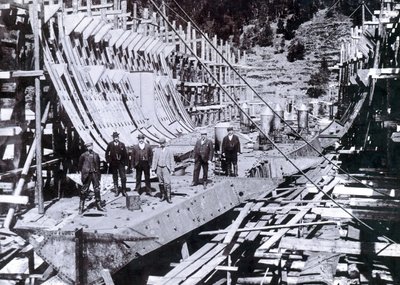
(266, 36)
(226, 18)
(319, 80)
(296, 51)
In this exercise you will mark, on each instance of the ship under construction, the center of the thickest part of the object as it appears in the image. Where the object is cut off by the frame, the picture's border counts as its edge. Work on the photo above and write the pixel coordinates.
(313, 201)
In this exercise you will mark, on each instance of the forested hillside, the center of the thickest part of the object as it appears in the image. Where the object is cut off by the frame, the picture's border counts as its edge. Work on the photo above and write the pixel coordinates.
(291, 45)
(227, 18)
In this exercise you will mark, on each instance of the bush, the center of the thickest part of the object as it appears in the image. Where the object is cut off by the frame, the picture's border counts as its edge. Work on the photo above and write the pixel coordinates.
(266, 36)
(296, 51)
(315, 92)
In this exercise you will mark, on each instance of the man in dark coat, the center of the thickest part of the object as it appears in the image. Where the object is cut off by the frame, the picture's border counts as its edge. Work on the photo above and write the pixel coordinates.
(203, 154)
(89, 166)
(142, 157)
(230, 149)
(117, 157)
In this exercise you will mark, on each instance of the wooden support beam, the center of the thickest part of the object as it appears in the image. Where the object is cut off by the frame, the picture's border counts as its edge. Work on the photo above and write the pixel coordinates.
(17, 171)
(235, 225)
(226, 268)
(105, 273)
(363, 214)
(360, 191)
(270, 227)
(27, 73)
(340, 246)
(10, 199)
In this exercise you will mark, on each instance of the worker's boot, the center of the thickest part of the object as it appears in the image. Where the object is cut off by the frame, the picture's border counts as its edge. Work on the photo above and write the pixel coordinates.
(99, 207)
(235, 170)
(163, 196)
(115, 190)
(123, 187)
(81, 205)
(168, 194)
(148, 189)
(229, 171)
(98, 201)
(138, 186)
(117, 193)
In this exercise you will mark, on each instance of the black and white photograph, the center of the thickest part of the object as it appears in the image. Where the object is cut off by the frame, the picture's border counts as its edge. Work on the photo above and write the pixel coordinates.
(167, 142)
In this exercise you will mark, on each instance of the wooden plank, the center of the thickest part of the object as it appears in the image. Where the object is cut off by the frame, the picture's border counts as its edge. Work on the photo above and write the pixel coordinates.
(235, 225)
(369, 203)
(10, 131)
(17, 171)
(27, 73)
(340, 246)
(207, 268)
(191, 259)
(184, 274)
(5, 74)
(105, 273)
(250, 229)
(360, 191)
(7, 186)
(363, 214)
(11, 199)
(226, 268)
(270, 242)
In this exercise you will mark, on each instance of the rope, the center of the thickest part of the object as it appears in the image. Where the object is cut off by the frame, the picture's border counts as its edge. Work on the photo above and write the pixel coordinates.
(248, 116)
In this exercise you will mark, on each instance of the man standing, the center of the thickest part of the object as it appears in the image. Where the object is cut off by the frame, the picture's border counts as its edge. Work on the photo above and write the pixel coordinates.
(89, 166)
(142, 157)
(117, 157)
(164, 164)
(230, 149)
(203, 154)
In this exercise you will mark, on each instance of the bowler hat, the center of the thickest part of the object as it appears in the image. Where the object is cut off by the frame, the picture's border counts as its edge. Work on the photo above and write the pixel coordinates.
(115, 134)
(230, 129)
(140, 136)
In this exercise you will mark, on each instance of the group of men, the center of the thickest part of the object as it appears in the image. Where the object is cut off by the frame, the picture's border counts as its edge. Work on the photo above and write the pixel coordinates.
(144, 160)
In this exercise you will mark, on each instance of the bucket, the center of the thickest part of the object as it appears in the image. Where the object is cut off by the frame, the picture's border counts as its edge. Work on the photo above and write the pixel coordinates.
(133, 202)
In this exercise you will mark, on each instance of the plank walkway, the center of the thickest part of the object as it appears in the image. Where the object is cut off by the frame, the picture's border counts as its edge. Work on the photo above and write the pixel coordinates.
(307, 249)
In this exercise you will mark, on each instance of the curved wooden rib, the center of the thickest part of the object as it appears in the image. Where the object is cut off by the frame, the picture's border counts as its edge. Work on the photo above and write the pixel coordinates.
(114, 80)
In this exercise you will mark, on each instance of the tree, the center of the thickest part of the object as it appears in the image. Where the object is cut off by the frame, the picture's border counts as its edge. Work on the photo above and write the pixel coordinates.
(281, 26)
(296, 51)
(266, 36)
(318, 81)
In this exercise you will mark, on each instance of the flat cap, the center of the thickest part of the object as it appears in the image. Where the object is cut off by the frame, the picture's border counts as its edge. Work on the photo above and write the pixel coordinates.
(88, 144)
(162, 140)
(203, 132)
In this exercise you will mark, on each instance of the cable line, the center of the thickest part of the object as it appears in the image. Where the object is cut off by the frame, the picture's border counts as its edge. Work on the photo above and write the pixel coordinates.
(251, 120)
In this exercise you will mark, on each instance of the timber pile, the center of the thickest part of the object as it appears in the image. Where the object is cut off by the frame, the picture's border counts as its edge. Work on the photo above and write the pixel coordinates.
(296, 235)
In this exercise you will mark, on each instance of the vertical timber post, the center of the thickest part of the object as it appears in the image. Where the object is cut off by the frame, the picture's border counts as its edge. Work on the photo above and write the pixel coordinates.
(79, 264)
(38, 133)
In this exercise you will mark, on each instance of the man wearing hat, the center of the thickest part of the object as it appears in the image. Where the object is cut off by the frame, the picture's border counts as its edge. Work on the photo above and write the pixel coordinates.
(230, 149)
(142, 156)
(203, 153)
(89, 166)
(117, 157)
(164, 164)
